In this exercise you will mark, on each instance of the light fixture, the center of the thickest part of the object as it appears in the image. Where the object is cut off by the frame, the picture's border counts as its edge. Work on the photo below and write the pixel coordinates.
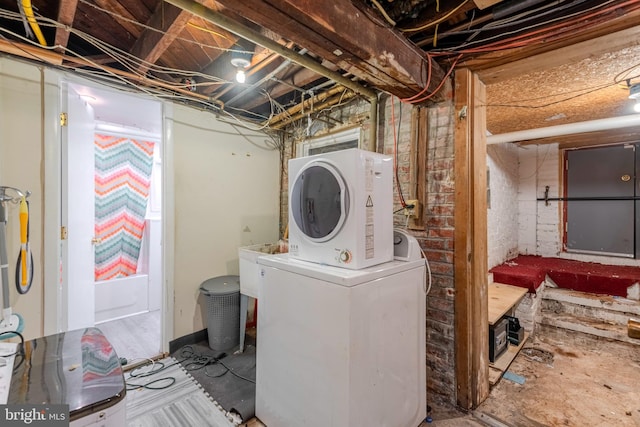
(241, 77)
(241, 59)
(634, 93)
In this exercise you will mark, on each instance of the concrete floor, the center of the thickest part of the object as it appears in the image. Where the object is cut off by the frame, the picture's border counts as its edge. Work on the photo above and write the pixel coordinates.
(571, 380)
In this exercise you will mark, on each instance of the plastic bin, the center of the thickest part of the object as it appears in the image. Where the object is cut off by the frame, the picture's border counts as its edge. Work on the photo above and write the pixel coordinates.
(223, 311)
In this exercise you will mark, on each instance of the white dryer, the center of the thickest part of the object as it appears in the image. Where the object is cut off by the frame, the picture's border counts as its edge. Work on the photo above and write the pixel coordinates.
(341, 208)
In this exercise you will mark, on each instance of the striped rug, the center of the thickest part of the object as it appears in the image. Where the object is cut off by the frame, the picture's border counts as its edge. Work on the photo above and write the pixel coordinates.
(122, 179)
(182, 404)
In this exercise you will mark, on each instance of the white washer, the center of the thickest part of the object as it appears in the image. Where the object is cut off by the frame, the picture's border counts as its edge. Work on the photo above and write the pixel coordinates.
(339, 347)
(341, 208)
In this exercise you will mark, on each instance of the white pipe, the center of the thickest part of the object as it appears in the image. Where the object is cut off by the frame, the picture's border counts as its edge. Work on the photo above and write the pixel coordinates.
(568, 129)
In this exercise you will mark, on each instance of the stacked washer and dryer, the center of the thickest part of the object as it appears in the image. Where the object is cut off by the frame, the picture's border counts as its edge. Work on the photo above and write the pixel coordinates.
(341, 325)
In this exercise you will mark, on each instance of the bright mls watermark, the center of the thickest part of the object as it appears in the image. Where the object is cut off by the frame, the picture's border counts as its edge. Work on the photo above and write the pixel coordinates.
(34, 415)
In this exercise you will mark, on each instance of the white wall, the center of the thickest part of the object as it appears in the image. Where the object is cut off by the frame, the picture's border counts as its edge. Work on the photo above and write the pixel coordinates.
(21, 150)
(539, 225)
(226, 196)
(502, 215)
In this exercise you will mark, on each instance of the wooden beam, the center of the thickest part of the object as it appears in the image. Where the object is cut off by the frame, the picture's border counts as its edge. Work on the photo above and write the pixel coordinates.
(66, 14)
(374, 53)
(483, 4)
(299, 79)
(470, 237)
(418, 165)
(30, 52)
(169, 21)
(127, 23)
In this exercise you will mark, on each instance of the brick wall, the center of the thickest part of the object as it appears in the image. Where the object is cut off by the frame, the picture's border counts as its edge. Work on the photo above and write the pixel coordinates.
(539, 225)
(437, 238)
(502, 213)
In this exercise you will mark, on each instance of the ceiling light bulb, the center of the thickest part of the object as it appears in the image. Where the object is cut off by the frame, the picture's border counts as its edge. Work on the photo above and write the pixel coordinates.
(240, 76)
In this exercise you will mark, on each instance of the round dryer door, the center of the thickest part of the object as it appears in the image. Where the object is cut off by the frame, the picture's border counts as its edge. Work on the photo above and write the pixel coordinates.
(319, 201)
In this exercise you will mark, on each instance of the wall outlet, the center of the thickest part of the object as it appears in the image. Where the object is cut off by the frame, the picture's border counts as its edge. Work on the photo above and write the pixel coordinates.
(413, 212)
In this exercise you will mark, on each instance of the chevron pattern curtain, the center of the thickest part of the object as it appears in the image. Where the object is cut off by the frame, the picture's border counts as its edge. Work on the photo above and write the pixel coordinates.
(122, 180)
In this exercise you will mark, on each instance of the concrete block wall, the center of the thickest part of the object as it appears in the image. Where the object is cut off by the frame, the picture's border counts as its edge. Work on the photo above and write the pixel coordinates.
(502, 213)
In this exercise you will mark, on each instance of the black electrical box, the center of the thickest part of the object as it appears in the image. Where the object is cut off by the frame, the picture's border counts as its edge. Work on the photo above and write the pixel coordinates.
(515, 332)
(498, 338)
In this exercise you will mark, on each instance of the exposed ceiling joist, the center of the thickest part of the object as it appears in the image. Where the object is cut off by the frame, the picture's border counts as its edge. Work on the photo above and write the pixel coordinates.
(66, 14)
(374, 52)
(169, 21)
(128, 23)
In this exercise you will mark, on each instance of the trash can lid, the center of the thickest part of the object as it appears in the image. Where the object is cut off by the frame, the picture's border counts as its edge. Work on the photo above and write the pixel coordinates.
(221, 285)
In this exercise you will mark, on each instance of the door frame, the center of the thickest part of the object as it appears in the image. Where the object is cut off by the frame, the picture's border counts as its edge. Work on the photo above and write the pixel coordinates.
(54, 304)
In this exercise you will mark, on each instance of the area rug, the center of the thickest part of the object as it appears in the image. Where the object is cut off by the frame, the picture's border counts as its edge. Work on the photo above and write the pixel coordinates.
(164, 394)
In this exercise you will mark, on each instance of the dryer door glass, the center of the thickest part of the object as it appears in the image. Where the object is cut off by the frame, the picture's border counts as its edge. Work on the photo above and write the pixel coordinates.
(319, 202)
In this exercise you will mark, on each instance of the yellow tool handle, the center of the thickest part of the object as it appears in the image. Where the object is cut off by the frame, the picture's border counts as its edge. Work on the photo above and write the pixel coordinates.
(24, 221)
(23, 265)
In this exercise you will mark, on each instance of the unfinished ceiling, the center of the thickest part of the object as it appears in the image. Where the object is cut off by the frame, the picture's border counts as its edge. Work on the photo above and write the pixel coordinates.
(333, 52)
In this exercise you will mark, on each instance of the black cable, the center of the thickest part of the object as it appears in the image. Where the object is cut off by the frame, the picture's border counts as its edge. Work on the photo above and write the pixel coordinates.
(202, 362)
(132, 386)
(19, 348)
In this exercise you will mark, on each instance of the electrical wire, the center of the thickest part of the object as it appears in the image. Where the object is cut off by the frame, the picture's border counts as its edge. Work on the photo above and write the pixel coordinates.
(435, 22)
(395, 153)
(19, 348)
(197, 361)
(563, 28)
(426, 85)
(384, 13)
(444, 79)
(150, 28)
(165, 382)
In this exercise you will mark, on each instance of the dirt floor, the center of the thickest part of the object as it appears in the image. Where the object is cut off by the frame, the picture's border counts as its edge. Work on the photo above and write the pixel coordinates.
(569, 380)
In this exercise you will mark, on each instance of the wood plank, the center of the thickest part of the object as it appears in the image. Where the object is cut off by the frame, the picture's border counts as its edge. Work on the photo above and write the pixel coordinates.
(503, 362)
(478, 111)
(494, 375)
(463, 232)
(66, 14)
(374, 53)
(128, 23)
(169, 21)
(483, 4)
(502, 298)
(470, 250)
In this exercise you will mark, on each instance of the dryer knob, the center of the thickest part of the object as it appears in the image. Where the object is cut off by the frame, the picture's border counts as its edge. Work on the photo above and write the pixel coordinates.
(345, 257)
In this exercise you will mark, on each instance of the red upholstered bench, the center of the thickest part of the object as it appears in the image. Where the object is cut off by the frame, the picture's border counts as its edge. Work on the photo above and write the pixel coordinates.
(529, 271)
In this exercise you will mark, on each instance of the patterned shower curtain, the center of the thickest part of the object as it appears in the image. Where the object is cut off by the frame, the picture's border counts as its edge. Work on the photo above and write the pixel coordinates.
(123, 172)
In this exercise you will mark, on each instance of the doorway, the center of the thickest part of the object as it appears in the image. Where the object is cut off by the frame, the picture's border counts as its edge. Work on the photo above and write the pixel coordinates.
(601, 206)
(111, 214)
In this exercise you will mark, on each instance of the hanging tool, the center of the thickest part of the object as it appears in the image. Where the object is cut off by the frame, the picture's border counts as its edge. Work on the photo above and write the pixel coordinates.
(11, 322)
(24, 266)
